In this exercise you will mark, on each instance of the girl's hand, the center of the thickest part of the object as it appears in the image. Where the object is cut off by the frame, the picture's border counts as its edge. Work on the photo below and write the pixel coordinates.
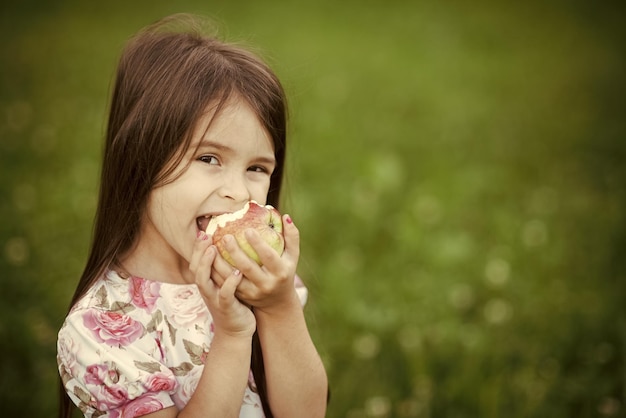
(269, 287)
(230, 316)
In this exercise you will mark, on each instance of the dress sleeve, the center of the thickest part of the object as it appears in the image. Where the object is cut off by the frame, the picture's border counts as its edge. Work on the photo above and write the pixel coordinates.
(301, 290)
(111, 366)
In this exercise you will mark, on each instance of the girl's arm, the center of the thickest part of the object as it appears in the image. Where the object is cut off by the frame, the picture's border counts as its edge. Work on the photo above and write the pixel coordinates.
(221, 387)
(296, 378)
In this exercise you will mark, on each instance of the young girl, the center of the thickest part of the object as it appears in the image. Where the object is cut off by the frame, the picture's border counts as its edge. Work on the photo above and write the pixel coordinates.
(161, 325)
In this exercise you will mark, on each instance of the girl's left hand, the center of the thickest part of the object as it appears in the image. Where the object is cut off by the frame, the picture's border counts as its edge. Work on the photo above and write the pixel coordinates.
(230, 315)
(270, 286)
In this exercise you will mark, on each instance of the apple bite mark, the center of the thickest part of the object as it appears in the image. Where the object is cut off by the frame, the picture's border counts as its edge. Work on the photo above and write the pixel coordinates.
(266, 220)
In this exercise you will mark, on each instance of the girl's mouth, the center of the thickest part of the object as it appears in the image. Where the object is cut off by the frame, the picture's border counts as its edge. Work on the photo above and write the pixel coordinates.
(203, 221)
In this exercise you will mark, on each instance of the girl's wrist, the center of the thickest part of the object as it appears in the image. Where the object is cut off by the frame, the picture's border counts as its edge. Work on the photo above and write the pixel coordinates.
(242, 336)
(283, 308)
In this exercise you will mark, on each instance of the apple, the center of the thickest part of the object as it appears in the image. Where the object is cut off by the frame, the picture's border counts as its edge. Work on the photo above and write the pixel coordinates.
(265, 219)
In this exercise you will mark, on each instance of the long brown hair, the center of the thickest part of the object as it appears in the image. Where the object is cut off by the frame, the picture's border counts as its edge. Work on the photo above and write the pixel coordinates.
(167, 76)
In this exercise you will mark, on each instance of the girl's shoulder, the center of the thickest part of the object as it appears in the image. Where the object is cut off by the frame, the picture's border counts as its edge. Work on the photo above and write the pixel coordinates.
(114, 291)
(112, 312)
(133, 322)
(107, 352)
(116, 298)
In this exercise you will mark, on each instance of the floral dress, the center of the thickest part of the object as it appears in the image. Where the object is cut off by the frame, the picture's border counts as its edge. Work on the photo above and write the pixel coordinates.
(133, 346)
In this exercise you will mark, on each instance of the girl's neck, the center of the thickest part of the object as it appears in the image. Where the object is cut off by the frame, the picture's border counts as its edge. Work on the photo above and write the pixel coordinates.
(142, 261)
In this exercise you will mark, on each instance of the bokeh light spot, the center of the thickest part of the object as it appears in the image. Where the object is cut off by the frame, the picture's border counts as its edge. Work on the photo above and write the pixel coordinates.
(609, 407)
(378, 407)
(498, 311)
(535, 233)
(497, 271)
(462, 296)
(410, 338)
(366, 346)
(16, 251)
(428, 209)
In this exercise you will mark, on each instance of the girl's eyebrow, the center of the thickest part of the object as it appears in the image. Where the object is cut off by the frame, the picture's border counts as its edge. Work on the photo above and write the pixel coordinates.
(211, 144)
(266, 160)
(204, 144)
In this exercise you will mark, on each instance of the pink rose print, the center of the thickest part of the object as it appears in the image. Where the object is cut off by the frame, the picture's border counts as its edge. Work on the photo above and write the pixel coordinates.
(108, 397)
(158, 340)
(67, 349)
(160, 382)
(98, 374)
(183, 306)
(144, 293)
(138, 407)
(112, 328)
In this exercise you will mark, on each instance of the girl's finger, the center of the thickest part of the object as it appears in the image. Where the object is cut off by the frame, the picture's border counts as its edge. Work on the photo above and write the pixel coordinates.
(217, 278)
(221, 270)
(202, 242)
(267, 254)
(203, 271)
(227, 291)
(292, 239)
(242, 261)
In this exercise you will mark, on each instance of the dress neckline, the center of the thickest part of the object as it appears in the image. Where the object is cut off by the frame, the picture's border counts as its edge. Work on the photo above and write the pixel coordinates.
(119, 274)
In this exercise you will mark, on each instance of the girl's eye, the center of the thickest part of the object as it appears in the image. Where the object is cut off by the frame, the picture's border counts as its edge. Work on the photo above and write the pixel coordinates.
(209, 159)
(258, 169)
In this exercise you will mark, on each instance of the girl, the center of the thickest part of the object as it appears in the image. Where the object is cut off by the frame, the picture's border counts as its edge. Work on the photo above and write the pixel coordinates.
(161, 325)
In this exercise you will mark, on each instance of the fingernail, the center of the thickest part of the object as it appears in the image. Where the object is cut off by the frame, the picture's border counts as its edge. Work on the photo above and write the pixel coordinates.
(199, 234)
(288, 219)
(236, 272)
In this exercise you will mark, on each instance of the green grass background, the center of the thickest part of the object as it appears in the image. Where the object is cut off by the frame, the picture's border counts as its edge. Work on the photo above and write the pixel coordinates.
(457, 171)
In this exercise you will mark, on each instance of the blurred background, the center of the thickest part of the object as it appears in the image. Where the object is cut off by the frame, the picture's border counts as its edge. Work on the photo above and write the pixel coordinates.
(457, 172)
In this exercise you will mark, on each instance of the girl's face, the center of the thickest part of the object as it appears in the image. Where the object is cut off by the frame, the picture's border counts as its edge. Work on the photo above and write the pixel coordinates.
(225, 166)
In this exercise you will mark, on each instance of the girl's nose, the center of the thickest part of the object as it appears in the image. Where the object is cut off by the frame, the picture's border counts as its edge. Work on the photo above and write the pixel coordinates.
(234, 187)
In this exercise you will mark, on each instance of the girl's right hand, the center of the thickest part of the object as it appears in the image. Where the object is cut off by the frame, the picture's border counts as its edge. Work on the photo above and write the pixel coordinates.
(230, 316)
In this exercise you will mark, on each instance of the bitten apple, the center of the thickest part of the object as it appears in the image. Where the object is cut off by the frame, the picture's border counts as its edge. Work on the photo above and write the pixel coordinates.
(266, 220)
